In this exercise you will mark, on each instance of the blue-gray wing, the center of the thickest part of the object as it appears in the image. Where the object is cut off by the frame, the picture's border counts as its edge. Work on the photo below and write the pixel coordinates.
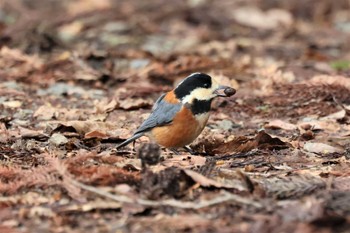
(162, 114)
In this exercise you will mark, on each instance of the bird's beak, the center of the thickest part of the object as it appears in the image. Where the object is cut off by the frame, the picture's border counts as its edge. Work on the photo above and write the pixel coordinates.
(224, 91)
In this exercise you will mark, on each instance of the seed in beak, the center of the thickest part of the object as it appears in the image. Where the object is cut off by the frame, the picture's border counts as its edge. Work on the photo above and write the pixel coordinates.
(224, 91)
(229, 91)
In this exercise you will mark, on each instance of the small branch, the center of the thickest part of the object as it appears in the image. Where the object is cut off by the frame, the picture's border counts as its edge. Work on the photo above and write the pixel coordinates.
(226, 196)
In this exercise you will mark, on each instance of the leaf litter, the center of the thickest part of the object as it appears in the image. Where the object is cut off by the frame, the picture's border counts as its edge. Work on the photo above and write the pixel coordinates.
(273, 158)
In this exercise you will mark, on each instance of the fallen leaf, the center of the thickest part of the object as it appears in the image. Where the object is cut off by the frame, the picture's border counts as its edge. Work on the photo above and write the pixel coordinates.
(335, 116)
(183, 161)
(41, 211)
(331, 80)
(119, 133)
(29, 133)
(225, 124)
(321, 148)
(83, 6)
(69, 31)
(12, 104)
(92, 129)
(271, 19)
(279, 124)
(206, 182)
(58, 139)
(15, 64)
(325, 125)
(95, 134)
(83, 127)
(45, 112)
(4, 134)
(103, 107)
(243, 144)
(132, 103)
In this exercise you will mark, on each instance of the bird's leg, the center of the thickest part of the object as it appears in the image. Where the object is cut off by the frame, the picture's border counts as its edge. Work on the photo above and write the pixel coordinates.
(174, 151)
(189, 150)
(133, 146)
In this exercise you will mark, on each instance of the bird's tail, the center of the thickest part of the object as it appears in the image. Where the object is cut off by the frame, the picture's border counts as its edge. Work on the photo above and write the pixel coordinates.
(129, 140)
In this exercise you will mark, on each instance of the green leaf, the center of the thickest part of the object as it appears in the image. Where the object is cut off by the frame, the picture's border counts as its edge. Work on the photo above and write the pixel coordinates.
(340, 65)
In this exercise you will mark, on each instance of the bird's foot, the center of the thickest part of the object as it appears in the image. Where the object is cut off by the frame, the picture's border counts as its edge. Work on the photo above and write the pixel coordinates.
(189, 150)
(174, 151)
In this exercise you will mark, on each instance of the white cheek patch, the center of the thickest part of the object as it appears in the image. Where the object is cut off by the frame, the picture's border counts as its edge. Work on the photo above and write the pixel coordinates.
(199, 94)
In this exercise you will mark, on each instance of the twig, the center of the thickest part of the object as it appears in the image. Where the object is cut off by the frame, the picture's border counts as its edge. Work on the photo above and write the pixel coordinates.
(226, 196)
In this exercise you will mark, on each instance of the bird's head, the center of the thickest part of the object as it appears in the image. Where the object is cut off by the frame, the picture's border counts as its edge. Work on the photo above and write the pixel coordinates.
(201, 87)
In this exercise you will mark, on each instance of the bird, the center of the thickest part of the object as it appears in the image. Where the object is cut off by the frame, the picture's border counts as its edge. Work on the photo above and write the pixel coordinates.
(180, 115)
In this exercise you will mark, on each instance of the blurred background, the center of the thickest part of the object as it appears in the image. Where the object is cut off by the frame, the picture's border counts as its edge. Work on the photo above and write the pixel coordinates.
(119, 39)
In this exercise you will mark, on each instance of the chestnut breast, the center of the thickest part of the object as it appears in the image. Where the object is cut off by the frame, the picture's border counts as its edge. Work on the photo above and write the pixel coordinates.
(183, 130)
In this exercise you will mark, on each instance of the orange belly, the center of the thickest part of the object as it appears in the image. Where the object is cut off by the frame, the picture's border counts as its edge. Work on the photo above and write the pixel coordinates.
(183, 130)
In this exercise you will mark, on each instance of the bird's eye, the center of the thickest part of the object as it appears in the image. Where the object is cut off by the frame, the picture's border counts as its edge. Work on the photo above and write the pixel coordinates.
(206, 85)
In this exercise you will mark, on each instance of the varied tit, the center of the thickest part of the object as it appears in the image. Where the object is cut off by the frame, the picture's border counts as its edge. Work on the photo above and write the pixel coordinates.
(180, 115)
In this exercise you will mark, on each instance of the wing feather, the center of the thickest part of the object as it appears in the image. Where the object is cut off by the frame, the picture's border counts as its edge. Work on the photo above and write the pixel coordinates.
(162, 114)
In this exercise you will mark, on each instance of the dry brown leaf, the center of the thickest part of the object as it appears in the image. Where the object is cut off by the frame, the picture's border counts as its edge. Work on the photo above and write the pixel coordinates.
(81, 6)
(279, 124)
(103, 107)
(15, 64)
(206, 182)
(29, 133)
(321, 148)
(129, 164)
(12, 104)
(183, 161)
(68, 31)
(83, 127)
(4, 134)
(92, 129)
(110, 106)
(58, 139)
(330, 80)
(132, 103)
(28, 198)
(45, 112)
(329, 126)
(9, 225)
(244, 144)
(335, 116)
(119, 133)
(95, 134)
(258, 19)
(40, 211)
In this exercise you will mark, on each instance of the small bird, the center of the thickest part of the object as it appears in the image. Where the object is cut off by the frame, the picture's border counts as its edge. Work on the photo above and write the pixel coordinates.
(180, 115)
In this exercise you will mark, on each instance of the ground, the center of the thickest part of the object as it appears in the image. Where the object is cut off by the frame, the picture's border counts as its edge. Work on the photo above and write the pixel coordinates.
(78, 77)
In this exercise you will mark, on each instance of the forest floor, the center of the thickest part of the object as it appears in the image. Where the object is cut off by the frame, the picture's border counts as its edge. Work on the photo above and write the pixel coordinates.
(78, 77)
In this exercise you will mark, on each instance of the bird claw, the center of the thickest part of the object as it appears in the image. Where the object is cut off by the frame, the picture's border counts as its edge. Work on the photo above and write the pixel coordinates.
(174, 151)
(189, 150)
